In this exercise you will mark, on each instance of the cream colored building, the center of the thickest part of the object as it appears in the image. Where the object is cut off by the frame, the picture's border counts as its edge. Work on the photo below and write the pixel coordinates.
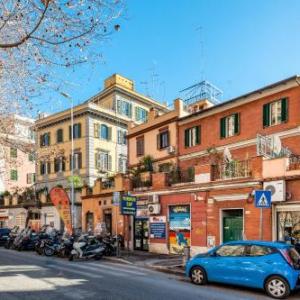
(100, 129)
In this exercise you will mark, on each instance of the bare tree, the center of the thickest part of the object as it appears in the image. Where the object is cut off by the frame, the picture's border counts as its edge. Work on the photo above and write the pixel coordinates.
(38, 35)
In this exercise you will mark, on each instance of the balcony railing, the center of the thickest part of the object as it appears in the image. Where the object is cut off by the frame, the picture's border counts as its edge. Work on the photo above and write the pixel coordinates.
(108, 184)
(294, 162)
(231, 170)
(138, 183)
(181, 176)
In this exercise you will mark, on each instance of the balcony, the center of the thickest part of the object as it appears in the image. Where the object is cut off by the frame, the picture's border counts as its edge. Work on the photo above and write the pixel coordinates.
(108, 184)
(231, 170)
(293, 163)
(181, 176)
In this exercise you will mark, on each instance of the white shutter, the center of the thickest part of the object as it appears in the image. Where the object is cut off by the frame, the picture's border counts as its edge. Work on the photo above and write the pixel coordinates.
(109, 163)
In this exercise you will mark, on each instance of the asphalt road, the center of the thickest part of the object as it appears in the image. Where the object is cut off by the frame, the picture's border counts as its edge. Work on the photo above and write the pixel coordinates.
(25, 275)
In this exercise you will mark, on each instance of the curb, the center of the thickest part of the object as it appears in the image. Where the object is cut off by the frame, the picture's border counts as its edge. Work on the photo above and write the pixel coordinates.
(167, 270)
(117, 260)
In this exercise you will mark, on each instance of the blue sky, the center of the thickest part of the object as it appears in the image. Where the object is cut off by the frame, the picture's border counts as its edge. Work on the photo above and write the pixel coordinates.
(167, 45)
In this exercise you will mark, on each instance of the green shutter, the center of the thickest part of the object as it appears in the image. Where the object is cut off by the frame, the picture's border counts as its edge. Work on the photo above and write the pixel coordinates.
(109, 129)
(70, 133)
(266, 115)
(158, 141)
(198, 132)
(223, 128)
(284, 110)
(236, 123)
(79, 130)
(186, 138)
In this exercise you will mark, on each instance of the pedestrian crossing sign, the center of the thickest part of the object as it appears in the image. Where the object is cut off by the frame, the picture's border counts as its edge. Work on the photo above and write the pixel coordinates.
(263, 199)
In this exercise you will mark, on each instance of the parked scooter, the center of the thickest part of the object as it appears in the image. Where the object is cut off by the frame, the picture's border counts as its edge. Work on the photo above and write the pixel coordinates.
(87, 247)
(26, 240)
(12, 235)
(66, 246)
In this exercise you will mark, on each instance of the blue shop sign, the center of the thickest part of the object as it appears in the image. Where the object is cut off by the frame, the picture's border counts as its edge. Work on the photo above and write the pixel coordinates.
(158, 230)
(128, 205)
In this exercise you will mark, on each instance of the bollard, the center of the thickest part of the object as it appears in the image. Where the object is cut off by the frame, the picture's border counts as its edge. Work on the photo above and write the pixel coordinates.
(186, 255)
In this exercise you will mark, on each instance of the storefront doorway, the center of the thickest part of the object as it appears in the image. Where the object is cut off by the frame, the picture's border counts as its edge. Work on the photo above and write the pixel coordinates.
(232, 225)
(141, 234)
(108, 222)
(288, 226)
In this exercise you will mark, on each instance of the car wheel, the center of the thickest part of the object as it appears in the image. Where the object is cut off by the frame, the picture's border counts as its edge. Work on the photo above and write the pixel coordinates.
(277, 287)
(198, 276)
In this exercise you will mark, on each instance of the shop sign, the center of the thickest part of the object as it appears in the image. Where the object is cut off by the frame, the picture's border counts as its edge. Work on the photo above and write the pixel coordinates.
(158, 227)
(116, 198)
(128, 205)
(180, 224)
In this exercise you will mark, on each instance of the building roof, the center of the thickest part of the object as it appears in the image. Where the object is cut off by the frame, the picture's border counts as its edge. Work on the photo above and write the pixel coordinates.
(245, 97)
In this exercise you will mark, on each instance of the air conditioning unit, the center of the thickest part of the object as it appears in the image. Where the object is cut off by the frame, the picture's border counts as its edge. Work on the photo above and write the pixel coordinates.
(277, 189)
(171, 149)
(154, 209)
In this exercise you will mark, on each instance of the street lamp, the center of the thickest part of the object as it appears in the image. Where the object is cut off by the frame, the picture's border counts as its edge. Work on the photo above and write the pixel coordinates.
(72, 157)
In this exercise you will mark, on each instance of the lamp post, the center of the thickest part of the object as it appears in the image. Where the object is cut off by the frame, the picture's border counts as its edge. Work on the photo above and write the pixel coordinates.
(72, 158)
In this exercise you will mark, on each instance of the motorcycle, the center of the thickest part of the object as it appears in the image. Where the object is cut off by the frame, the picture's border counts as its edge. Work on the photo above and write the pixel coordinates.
(66, 246)
(26, 240)
(10, 239)
(51, 246)
(87, 247)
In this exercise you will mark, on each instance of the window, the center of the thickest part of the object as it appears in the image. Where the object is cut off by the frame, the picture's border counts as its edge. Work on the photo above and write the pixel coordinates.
(30, 178)
(77, 161)
(275, 113)
(124, 108)
(31, 134)
(256, 250)
(122, 164)
(163, 139)
(231, 250)
(45, 168)
(192, 136)
(140, 146)
(122, 140)
(230, 126)
(14, 175)
(76, 131)
(59, 136)
(59, 164)
(13, 152)
(31, 157)
(141, 114)
(103, 161)
(45, 139)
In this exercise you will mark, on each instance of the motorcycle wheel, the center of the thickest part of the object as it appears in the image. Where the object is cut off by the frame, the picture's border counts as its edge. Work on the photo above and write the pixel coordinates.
(98, 257)
(71, 257)
(48, 251)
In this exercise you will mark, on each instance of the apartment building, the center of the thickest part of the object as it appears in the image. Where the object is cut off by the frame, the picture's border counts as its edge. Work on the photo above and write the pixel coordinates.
(225, 153)
(17, 165)
(99, 133)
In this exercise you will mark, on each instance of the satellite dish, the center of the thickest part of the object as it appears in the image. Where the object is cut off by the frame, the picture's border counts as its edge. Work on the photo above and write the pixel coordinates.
(227, 155)
(277, 146)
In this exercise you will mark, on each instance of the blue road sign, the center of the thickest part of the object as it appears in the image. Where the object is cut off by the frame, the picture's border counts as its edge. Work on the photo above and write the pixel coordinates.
(263, 199)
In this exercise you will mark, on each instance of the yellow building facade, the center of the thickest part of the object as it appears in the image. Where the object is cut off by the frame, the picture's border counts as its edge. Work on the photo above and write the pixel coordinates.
(99, 132)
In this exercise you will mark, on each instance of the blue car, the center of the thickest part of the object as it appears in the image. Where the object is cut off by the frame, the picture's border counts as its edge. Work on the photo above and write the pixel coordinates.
(274, 267)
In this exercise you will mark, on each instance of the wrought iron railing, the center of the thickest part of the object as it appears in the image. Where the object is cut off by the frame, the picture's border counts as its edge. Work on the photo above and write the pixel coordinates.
(231, 170)
(181, 176)
(139, 183)
(108, 184)
(294, 162)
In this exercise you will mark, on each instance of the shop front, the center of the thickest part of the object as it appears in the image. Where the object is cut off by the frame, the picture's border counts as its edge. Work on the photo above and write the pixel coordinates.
(287, 220)
(141, 225)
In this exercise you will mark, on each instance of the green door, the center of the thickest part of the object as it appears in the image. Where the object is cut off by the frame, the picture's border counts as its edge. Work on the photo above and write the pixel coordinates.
(232, 228)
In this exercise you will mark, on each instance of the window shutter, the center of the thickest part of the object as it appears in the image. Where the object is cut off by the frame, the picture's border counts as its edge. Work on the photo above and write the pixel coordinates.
(119, 106)
(79, 160)
(223, 128)
(109, 164)
(79, 130)
(158, 141)
(96, 130)
(70, 162)
(186, 138)
(198, 133)
(266, 115)
(236, 123)
(284, 110)
(63, 163)
(130, 110)
(48, 167)
(70, 133)
(96, 160)
(168, 138)
(56, 167)
(42, 169)
(137, 113)
(109, 133)
(41, 141)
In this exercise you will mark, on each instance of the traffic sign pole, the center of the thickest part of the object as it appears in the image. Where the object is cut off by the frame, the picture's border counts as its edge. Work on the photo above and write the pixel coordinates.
(261, 224)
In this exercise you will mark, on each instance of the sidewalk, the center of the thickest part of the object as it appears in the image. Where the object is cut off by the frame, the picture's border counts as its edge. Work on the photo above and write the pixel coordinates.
(161, 262)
